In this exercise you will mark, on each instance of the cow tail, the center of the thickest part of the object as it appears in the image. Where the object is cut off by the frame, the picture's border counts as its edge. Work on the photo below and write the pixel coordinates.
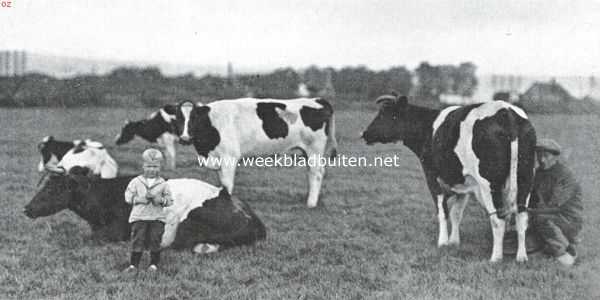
(512, 176)
(331, 146)
(511, 181)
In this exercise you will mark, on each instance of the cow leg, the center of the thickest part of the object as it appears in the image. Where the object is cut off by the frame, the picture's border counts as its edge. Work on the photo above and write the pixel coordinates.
(227, 176)
(315, 179)
(498, 227)
(316, 170)
(443, 222)
(521, 220)
(484, 196)
(456, 214)
(167, 141)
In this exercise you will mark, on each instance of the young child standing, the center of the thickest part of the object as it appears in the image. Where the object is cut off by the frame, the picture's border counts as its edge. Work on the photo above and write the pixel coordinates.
(149, 194)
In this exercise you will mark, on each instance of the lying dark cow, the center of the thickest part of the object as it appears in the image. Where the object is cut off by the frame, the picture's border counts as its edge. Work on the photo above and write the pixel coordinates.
(201, 213)
(157, 128)
(486, 150)
(59, 156)
(224, 131)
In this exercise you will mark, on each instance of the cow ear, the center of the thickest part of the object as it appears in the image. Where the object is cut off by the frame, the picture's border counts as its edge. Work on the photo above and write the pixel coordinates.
(202, 110)
(402, 100)
(80, 171)
(170, 109)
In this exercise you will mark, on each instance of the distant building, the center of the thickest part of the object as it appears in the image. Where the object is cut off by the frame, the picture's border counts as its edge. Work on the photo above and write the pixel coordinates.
(548, 97)
(13, 63)
(510, 96)
(550, 92)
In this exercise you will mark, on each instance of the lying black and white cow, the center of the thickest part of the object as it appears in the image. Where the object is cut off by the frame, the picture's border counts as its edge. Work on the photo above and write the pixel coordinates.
(486, 150)
(224, 131)
(200, 214)
(59, 156)
(157, 128)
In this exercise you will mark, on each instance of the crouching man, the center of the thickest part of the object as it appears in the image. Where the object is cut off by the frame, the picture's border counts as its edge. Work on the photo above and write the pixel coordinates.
(556, 212)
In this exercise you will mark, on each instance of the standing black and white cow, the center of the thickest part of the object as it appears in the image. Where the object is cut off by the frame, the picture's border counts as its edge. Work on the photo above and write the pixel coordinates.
(485, 150)
(59, 156)
(224, 131)
(157, 128)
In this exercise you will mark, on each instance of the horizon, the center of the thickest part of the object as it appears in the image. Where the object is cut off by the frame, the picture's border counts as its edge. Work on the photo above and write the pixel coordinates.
(529, 38)
(246, 69)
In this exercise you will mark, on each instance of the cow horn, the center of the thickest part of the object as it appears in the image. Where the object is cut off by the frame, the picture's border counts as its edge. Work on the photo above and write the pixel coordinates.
(385, 98)
(56, 169)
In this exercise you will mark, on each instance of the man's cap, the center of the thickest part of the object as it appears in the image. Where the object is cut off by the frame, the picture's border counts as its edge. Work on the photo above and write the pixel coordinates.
(152, 156)
(548, 145)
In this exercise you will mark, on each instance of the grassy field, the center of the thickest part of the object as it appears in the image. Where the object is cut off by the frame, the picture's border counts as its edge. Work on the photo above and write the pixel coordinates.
(373, 235)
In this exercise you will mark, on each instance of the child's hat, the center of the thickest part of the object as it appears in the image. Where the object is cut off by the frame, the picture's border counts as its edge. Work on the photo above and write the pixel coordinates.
(152, 156)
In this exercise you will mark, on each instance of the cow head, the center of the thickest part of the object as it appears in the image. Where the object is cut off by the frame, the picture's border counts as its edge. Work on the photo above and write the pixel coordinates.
(127, 132)
(391, 123)
(47, 155)
(191, 121)
(59, 191)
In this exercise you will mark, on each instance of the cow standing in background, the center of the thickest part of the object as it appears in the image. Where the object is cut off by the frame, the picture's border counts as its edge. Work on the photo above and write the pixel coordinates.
(158, 128)
(59, 156)
(226, 130)
(52, 152)
(486, 150)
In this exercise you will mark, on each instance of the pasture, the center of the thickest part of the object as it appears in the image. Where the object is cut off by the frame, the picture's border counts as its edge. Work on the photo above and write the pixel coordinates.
(373, 235)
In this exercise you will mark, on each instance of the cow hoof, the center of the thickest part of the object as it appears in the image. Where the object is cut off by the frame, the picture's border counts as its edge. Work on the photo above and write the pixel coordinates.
(453, 243)
(495, 260)
(521, 258)
(206, 248)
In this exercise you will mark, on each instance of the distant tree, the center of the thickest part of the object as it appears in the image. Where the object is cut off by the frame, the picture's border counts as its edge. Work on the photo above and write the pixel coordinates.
(151, 74)
(465, 79)
(436, 80)
(353, 82)
(429, 86)
(314, 78)
(9, 88)
(399, 79)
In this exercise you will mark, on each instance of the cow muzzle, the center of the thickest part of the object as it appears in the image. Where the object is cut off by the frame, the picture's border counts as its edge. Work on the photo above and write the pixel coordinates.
(29, 212)
(368, 138)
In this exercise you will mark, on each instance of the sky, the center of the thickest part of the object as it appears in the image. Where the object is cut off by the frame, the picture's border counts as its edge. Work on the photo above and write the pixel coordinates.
(556, 38)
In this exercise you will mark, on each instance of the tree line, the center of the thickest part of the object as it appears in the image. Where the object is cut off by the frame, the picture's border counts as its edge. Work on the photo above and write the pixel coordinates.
(133, 86)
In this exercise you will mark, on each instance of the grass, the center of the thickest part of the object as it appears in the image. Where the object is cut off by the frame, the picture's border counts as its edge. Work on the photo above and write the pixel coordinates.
(373, 235)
